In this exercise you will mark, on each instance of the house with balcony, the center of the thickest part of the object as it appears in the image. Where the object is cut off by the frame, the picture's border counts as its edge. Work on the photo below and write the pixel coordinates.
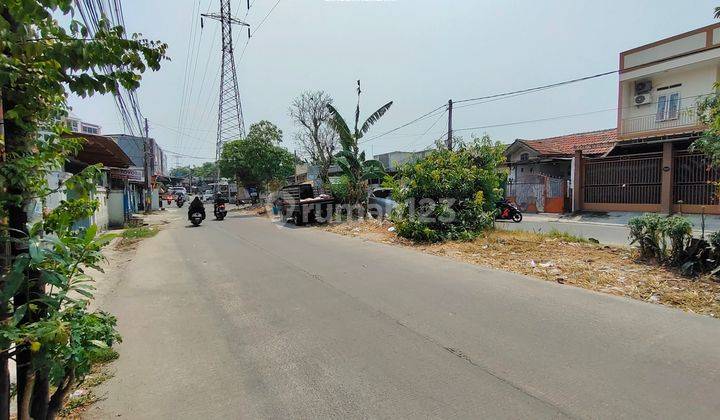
(652, 168)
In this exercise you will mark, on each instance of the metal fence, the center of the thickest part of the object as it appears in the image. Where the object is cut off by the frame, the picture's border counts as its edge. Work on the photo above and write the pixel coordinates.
(695, 179)
(623, 180)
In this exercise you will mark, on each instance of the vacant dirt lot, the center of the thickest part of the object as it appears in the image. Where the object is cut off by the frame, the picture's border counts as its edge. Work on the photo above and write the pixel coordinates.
(596, 267)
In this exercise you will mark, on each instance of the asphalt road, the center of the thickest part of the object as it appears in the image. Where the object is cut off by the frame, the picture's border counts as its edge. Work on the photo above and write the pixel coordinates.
(247, 319)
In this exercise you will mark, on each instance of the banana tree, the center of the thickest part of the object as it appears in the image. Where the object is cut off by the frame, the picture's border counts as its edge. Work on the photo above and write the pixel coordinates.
(350, 159)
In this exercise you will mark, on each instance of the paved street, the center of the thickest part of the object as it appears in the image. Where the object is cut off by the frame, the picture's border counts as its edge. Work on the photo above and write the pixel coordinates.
(247, 319)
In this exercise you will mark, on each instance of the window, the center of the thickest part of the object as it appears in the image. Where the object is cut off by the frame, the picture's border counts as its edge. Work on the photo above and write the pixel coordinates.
(524, 156)
(668, 107)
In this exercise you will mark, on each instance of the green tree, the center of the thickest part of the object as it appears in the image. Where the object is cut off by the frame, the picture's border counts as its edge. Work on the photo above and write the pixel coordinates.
(181, 171)
(350, 159)
(51, 335)
(257, 159)
(449, 194)
(208, 170)
(708, 110)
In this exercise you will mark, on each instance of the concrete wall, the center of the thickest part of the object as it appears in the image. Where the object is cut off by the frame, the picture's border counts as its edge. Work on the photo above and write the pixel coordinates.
(696, 81)
(116, 209)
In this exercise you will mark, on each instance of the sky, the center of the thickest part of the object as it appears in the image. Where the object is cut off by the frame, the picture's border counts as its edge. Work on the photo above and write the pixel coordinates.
(417, 53)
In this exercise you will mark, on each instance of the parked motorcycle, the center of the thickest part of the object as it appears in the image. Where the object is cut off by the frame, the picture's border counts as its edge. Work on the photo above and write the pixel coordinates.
(508, 211)
(220, 211)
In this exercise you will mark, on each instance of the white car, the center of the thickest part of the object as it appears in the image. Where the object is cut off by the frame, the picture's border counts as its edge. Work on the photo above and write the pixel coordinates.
(207, 196)
(380, 203)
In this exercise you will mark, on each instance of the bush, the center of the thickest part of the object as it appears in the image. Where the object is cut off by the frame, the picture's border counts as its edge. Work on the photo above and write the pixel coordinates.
(449, 195)
(645, 231)
(679, 230)
(652, 232)
(341, 190)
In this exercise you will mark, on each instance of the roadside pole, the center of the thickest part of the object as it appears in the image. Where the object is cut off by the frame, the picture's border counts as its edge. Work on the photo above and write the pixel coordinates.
(146, 153)
(450, 129)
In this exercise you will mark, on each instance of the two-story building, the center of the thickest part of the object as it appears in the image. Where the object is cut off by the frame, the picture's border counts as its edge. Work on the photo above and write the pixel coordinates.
(652, 167)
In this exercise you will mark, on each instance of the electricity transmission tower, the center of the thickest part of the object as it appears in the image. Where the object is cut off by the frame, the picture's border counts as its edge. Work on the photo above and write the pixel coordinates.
(230, 116)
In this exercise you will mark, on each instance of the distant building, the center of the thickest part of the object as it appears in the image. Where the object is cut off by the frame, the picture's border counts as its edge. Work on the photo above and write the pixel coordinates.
(134, 147)
(77, 125)
(393, 160)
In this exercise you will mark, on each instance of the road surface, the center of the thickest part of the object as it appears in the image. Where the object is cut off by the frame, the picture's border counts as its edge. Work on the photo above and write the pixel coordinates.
(247, 319)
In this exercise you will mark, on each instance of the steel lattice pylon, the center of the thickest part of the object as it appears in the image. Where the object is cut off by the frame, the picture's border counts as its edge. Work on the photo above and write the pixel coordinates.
(230, 116)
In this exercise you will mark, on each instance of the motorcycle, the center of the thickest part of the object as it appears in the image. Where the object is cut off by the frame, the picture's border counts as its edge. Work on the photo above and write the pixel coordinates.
(220, 211)
(196, 218)
(508, 211)
(180, 201)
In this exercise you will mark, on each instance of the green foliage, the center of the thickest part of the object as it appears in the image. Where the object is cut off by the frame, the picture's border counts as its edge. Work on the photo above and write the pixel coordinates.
(708, 110)
(41, 62)
(678, 230)
(351, 161)
(139, 232)
(566, 237)
(341, 190)
(715, 239)
(449, 195)
(646, 232)
(652, 232)
(256, 159)
(208, 170)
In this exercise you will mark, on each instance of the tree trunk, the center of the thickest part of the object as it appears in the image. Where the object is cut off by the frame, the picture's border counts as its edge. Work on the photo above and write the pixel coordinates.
(24, 395)
(56, 402)
(17, 141)
(4, 315)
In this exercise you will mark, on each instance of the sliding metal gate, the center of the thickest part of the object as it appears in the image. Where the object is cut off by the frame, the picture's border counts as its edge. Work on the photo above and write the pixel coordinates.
(635, 179)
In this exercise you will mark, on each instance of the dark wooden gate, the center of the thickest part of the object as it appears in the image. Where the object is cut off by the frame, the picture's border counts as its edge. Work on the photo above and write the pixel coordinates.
(635, 179)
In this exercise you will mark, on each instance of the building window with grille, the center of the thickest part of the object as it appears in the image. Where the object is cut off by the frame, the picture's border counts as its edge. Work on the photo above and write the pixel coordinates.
(524, 157)
(668, 107)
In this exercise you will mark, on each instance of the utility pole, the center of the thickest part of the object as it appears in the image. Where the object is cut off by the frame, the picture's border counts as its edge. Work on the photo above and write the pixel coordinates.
(146, 153)
(230, 116)
(450, 121)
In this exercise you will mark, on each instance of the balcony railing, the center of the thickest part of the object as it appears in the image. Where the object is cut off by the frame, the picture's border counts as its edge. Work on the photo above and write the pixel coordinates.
(687, 118)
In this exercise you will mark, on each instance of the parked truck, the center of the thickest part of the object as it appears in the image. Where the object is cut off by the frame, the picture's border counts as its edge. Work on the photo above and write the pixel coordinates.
(303, 204)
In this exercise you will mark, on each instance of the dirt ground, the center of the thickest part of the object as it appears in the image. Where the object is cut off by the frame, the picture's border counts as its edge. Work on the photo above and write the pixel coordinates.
(601, 268)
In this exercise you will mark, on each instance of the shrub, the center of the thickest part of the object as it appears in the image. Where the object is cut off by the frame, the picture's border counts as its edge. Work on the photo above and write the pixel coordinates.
(449, 195)
(645, 231)
(679, 230)
(652, 232)
(715, 240)
(341, 190)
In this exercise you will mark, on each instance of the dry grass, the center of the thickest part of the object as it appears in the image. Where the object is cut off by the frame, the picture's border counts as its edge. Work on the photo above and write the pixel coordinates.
(554, 258)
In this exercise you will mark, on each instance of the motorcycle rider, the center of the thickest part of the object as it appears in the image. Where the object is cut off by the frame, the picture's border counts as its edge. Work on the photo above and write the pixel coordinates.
(196, 206)
(219, 200)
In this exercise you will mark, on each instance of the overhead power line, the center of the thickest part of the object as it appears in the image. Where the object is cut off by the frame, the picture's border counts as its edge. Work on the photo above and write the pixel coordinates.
(492, 98)
(420, 118)
(538, 88)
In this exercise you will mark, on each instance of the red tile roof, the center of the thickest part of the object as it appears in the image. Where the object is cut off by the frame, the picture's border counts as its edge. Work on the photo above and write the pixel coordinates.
(591, 143)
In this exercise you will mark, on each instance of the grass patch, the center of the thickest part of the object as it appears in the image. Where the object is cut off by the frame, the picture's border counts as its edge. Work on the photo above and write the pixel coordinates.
(139, 232)
(104, 356)
(566, 237)
(95, 380)
(74, 404)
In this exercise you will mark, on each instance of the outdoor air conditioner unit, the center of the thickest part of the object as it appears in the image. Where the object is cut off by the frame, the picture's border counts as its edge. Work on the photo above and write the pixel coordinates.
(643, 86)
(643, 99)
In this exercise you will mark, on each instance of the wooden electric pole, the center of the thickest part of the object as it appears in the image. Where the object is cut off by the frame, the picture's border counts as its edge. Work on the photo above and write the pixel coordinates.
(450, 129)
